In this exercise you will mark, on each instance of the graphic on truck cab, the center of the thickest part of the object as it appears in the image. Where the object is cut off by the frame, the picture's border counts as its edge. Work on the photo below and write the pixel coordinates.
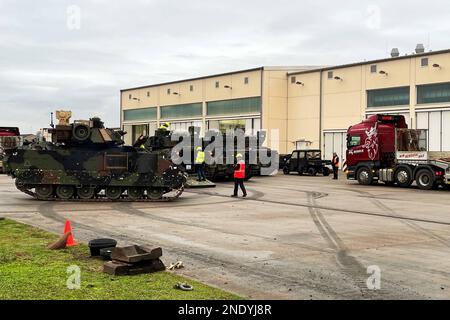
(371, 143)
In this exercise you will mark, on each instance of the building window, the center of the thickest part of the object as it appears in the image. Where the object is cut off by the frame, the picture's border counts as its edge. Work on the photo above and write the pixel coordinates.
(139, 114)
(330, 74)
(129, 96)
(246, 80)
(373, 68)
(433, 93)
(217, 84)
(191, 110)
(249, 125)
(148, 93)
(191, 88)
(168, 91)
(424, 62)
(293, 80)
(138, 130)
(234, 107)
(388, 97)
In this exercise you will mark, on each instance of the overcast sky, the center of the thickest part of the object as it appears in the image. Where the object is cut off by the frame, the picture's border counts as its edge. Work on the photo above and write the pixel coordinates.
(57, 54)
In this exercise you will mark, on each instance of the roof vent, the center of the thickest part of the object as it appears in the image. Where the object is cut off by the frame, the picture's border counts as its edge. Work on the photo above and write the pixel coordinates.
(420, 48)
(395, 53)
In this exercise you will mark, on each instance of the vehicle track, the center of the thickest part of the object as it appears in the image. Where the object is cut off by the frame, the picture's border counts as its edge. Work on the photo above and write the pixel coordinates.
(129, 209)
(406, 220)
(409, 223)
(375, 214)
(245, 270)
(349, 265)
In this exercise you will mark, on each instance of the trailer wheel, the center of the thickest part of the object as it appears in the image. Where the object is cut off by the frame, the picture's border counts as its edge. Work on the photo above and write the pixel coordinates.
(403, 176)
(326, 172)
(425, 179)
(365, 176)
(286, 170)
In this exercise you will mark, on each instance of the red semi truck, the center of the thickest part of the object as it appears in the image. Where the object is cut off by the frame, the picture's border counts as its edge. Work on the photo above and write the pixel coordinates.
(8, 140)
(382, 148)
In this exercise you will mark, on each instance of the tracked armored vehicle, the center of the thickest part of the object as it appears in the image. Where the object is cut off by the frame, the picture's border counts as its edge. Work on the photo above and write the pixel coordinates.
(216, 171)
(86, 161)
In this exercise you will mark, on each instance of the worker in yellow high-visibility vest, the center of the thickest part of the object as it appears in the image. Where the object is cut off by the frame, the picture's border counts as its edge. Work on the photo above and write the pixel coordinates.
(199, 164)
(164, 126)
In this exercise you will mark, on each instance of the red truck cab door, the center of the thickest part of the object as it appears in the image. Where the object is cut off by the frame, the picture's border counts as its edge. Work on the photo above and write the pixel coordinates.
(355, 149)
(363, 144)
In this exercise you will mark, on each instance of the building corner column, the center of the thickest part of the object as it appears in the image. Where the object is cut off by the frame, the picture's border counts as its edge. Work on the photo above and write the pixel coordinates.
(204, 111)
(412, 94)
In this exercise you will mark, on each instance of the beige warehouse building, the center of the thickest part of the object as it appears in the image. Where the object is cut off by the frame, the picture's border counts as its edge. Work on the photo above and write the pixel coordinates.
(248, 99)
(311, 107)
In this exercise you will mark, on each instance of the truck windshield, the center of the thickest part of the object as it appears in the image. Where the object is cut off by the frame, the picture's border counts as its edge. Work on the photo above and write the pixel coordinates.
(313, 155)
(353, 141)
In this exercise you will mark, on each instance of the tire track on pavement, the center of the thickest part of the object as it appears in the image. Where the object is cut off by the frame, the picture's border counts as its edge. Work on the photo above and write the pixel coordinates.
(410, 224)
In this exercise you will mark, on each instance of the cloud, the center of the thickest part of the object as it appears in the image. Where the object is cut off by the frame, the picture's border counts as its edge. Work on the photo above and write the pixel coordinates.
(44, 65)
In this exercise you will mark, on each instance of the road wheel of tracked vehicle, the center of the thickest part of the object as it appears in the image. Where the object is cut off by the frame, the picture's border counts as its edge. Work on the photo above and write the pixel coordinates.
(113, 193)
(365, 176)
(425, 179)
(155, 194)
(135, 193)
(65, 192)
(403, 176)
(86, 193)
(44, 191)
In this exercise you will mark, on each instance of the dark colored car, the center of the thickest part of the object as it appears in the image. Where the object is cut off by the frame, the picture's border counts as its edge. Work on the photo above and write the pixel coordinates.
(307, 162)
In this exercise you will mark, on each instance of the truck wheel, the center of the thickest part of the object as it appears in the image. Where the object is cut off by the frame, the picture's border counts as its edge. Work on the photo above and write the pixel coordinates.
(403, 176)
(286, 170)
(365, 176)
(425, 179)
(312, 171)
(326, 172)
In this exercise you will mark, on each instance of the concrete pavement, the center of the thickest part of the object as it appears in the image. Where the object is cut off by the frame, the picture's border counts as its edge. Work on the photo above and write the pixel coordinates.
(294, 237)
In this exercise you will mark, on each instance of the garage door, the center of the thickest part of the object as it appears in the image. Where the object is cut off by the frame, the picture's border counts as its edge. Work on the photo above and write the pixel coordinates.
(335, 142)
(438, 125)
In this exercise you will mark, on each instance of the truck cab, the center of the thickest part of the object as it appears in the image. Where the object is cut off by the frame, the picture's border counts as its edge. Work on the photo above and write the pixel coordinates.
(382, 148)
(307, 162)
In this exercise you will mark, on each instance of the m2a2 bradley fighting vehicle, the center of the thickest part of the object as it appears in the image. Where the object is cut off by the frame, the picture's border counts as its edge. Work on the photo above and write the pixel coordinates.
(86, 161)
(167, 140)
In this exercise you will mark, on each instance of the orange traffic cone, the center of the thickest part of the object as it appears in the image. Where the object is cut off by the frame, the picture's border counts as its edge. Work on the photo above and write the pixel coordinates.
(68, 228)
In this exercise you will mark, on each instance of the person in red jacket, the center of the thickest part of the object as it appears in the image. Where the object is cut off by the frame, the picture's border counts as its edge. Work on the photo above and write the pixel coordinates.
(239, 176)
